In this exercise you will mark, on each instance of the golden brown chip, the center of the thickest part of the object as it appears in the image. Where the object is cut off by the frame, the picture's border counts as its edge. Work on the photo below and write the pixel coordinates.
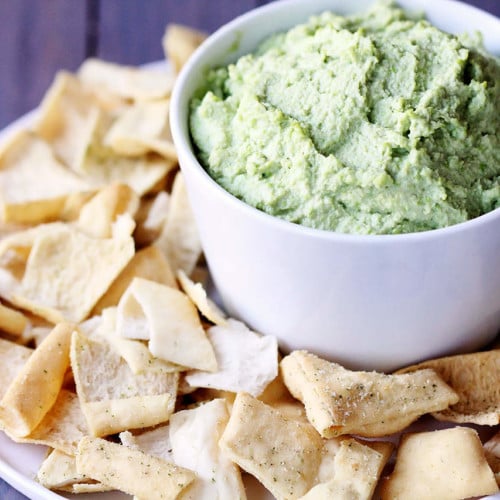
(143, 128)
(36, 387)
(113, 398)
(13, 322)
(445, 465)
(34, 185)
(131, 471)
(476, 379)
(62, 427)
(339, 401)
(284, 455)
(179, 42)
(67, 272)
(148, 263)
(179, 239)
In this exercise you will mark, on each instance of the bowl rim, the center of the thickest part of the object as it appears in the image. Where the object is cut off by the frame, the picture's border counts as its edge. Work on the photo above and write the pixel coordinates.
(178, 116)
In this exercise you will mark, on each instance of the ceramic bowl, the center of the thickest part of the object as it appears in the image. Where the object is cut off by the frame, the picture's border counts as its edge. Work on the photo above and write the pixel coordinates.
(370, 302)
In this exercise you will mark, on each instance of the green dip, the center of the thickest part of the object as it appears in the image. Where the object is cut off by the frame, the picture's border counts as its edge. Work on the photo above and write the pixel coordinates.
(371, 124)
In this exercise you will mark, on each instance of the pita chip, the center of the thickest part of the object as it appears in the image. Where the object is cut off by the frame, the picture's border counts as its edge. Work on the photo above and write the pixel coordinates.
(179, 42)
(13, 322)
(12, 358)
(492, 453)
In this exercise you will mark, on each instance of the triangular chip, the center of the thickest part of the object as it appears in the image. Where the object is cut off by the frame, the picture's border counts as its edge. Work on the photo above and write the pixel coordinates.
(13, 322)
(126, 81)
(67, 119)
(171, 322)
(98, 215)
(143, 128)
(113, 398)
(179, 239)
(34, 185)
(131, 471)
(198, 295)
(62, 427)
(36, 386)
(195, 435)
(476, 379)
(446, 464)
(284, 455)
(150, 218)
(179, 42)
(339, 401)
(247, 361)
(67, 272)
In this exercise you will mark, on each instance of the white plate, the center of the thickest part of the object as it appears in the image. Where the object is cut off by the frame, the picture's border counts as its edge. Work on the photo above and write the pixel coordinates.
(19, 463)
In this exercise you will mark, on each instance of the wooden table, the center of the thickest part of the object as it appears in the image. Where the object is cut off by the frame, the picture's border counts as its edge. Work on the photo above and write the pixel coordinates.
(39, 37)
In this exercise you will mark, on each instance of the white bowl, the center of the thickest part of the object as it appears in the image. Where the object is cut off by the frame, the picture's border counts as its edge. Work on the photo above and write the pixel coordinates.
(372, 302)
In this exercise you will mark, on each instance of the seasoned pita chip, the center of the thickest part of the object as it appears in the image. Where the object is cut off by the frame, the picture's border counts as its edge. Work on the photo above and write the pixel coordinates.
(34, 185)
(67, 119)
(112, 397)
(13, 322)
(101, 166)
(155, 442)
(67, 272)
(131, 471)
(96, 217)
(169, 319)
(36, 386)
(179, 239)
(198, 295)
(143, 128)
(476, 379)
(340, 401)
(492, 453)
(179, 42)
(62, 427)
(247, 361)
(195, 435)
(58, 472)
(446, 464)
(357, 469)
(12, 358)
(126, 81)
(284, 455)
(148, 263)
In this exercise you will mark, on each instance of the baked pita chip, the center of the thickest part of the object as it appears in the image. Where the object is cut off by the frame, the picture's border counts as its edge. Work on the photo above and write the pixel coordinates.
(97, 217)
(112, 397)
(198, 296)
(36, 386)
(179, 42)
(131, 471)
(58, 472)
(34, 185)
(446, 464)
(492, 453)
(357, 468)
(155, 442)
(67, 272)
(62, 427)
(12, 359)
(13, 322)
(179, 239)
(67, 119)
(169, 319)
(148, 263)
(247, 361)
(150, 218)
(195, 435)
(476, 379)
(143, 128)
(284, 455)
(126, 81)
(339, 401)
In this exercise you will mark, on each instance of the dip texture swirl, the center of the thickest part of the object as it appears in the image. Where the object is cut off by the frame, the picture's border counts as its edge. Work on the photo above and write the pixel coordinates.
(377, 123)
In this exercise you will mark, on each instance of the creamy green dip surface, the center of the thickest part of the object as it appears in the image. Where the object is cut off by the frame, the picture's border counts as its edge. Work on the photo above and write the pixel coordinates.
(371, 124)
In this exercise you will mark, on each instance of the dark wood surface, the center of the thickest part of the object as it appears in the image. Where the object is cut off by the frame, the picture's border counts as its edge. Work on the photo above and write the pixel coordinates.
(39, 37)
